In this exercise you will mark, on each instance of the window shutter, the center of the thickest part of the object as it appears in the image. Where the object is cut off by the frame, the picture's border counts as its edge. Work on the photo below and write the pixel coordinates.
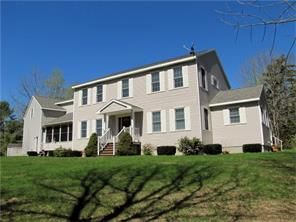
(170, 79)
(88, 129)
(172, 120)
(79, 130)
(162, 80)
(185, 75)
(242, 114)
(131, 86)
(94, 97)
(163, 121)
(104, 92)
(148, 83)
(226, 116)
(119, 89)
(187, 118)
(149, 122)
(94, 123)
(89, 96)
(80, 97)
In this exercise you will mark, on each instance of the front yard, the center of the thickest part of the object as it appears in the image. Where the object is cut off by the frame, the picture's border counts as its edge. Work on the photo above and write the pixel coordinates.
(238, 187)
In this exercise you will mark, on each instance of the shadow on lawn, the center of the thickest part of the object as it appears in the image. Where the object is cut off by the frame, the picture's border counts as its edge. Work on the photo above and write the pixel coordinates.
(148, 194)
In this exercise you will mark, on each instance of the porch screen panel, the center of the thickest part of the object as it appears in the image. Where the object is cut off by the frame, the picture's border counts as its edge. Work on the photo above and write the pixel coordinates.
(70, 132)
(64, 133)
(48, 134)
(56, 134)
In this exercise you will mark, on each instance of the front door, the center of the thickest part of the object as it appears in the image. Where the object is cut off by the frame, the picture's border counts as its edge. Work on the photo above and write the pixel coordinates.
(124, 122)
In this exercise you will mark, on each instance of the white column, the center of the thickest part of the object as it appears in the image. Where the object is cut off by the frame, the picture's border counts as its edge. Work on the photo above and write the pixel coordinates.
(45, 135)
(52, 134)
(132, 124)
(60, 133)
(107, 121)
(68, 131)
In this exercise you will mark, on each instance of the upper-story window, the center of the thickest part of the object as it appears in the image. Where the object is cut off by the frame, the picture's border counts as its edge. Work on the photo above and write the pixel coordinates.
(99, 127)
(180, 118)
(83, 131)
(99, 93)
(156, 121)
(178, 77)
(84, 97)
(206, 119)
(234, 115)
(125, 88)
(155, 83)
(203, 78)
(215, 82)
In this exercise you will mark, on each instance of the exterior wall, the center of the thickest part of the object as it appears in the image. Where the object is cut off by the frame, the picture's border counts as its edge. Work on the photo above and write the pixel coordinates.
(165, 100)
(32, 127)
(53, 146)
(233, 136)
(210, 63)
(15, 150)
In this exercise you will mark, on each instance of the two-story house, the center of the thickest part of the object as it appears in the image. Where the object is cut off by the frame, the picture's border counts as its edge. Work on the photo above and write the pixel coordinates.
(158, 104)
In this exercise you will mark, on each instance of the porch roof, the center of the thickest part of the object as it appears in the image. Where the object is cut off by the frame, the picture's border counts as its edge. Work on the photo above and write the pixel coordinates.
(67, 118)
(114, 106)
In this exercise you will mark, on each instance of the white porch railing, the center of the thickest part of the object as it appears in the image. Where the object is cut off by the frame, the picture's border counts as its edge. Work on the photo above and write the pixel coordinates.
(104, 139)
(134, 132)
(276, 141)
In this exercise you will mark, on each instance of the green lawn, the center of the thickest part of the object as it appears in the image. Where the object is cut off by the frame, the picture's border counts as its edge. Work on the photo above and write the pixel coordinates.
(237, 187)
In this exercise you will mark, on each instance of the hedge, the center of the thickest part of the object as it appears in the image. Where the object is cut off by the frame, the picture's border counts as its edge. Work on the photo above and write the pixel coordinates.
(252, 148)
(32, 153)
(212, 149)
(166, 150)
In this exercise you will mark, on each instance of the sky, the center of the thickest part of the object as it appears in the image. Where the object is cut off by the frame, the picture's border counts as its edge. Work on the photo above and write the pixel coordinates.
(86, 40)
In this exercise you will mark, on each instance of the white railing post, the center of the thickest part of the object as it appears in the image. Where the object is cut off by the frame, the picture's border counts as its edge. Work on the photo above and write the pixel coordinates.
(98, 146)
(114, 142)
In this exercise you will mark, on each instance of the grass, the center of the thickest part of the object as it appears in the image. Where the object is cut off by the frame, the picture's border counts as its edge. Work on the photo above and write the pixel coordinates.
(238, 187)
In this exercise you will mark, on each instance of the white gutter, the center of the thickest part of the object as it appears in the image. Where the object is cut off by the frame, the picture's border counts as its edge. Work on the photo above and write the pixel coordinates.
(53, 109)
(234, 102)
(63, 102)
(135, 71)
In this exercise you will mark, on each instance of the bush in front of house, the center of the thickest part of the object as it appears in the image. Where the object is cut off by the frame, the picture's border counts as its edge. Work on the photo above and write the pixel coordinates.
(166, 150)
(76, 153)
(212, 149)
(92, 147)
(252, 148)
(126, 147)
(267, 148)
(62, 152)
(148, 149)
(32, 153)
(189, 146)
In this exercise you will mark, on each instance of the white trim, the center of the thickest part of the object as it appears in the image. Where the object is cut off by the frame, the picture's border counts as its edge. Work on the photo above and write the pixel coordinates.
(187, 118)
(235, 102)
(162, 75)
(261, 128)
(242, 114)
(53, 109)
(226, 118)
(149, 122)
(104, 92)
(148, 83)
(114, 101)
(163, 121)
(185, 75)
(170, 74)
(58, 123)
(119, 89)
(120, 75)
(65, 101)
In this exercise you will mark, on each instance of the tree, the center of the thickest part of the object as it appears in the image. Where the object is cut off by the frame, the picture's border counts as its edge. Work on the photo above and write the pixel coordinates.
(55, 85)
(251, 15)
(10, 128)
(280, 83)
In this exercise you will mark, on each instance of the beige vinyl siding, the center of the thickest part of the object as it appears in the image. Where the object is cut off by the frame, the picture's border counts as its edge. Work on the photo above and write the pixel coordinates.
(164, 100)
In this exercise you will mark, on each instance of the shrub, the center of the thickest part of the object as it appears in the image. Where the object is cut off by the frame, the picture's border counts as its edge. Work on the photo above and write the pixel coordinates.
(267, 148)
(62, 152)
(92, 147)
(212, 149)
(76, 153)
(126, 146)
(166, 150)
(32, 153)
(189, 146)
(148, 149)
(50, 153)
(252, 148)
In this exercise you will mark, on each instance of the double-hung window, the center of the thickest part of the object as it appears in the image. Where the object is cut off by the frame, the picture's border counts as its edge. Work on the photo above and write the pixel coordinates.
(203, 78)
(234, 115)
(84, 97)
(155, 82)
(180, 118)
(178, 77)
(156, 121)
(206, 119)
(99, 127)
(99, 93)
(125, 88)
(83, 131)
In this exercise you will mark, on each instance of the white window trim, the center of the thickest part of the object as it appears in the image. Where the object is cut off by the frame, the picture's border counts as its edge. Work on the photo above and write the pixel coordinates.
(154, 111)
(203, 119)
(242, 115)
(213, 77)
(172, 119)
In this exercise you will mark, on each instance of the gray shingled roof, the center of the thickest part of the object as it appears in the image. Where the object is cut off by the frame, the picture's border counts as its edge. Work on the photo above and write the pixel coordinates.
(237, 94)
(200, 53)
(63, 119)
(48, 103)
